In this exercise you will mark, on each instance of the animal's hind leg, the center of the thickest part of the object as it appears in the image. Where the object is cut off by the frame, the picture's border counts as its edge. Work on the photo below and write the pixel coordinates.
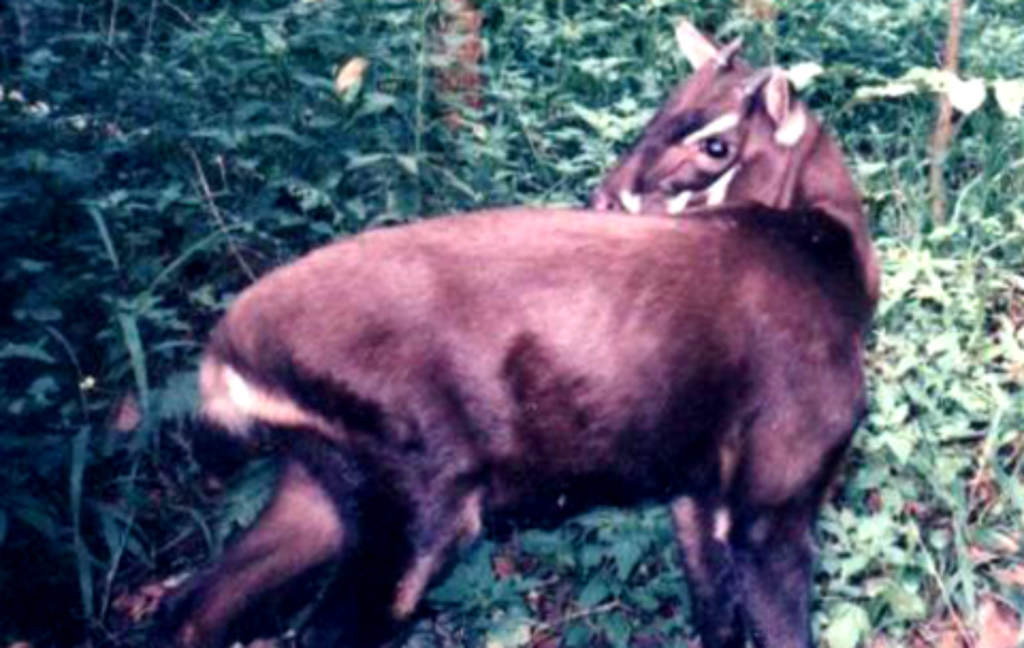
(300, 529)
(402, 545)
(702, 530)
(355, 609)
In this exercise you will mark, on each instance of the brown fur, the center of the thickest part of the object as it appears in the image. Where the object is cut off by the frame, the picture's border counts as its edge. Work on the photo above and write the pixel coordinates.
(530, 364)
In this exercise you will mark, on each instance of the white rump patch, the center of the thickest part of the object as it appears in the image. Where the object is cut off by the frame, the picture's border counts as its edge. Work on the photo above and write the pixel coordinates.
(725, 123)
(234, 403)
(678, 203)
(717, 191)
(632, 202)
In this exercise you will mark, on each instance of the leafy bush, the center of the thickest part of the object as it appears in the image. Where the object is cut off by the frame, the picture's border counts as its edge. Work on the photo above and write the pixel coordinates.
(159, 155)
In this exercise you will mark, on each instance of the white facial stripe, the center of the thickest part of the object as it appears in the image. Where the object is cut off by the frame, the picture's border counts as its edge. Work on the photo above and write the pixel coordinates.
(724, 123)
(632, 202)
(677, 204)
(717, 191)
(792, 129)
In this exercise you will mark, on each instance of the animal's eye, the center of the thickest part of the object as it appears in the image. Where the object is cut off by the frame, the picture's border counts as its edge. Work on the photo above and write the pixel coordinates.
(714, 147)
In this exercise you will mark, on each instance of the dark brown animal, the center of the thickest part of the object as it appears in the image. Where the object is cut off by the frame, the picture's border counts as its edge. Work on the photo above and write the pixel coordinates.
(526, 365)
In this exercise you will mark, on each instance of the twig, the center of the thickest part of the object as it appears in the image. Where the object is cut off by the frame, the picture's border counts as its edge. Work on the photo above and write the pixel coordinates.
(211, 205)
(114, 7)
(149, 25)
(83, 401)
(943, 134)
(947, 598)
(182, 14)
(580, 614)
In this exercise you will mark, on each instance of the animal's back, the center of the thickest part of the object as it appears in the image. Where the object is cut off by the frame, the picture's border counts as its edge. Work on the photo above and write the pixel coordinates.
(546, 335)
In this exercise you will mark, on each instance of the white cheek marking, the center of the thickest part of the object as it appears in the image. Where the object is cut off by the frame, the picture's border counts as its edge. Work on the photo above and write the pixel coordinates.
(792, 129)
(679, 202)
(717, 191)
(724, 123)
(632, 202)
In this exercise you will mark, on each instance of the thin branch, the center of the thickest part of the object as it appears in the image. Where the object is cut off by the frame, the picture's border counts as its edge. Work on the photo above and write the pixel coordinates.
(114, 7)
(149, 25)
(598, 610)
(211, 205)
(943, 133)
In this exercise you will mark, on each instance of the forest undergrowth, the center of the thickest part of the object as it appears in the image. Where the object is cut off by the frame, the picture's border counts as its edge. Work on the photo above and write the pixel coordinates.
(156, 156)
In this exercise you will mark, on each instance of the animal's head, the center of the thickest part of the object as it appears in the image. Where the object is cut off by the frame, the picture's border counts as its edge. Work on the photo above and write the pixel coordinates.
(729, 133)
(733, 134)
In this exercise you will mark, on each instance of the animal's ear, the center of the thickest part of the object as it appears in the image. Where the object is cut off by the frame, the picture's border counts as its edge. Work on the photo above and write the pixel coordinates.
(699, 49)
(785, 112)
(777, 99)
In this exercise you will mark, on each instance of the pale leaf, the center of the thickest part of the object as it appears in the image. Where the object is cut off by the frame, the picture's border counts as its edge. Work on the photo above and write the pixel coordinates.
(966, 95)
(350, 74)
(1010, 96)
(892, 89)
(802, 75)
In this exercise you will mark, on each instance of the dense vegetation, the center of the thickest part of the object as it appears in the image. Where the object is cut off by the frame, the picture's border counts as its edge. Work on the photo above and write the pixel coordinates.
(158, 155)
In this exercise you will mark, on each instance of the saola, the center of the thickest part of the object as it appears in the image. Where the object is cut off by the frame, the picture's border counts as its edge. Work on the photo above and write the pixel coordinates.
(424, 380)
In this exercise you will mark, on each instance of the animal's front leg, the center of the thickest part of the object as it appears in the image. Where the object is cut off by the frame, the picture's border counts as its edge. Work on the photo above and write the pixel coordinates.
(702, 529)
(774, 553)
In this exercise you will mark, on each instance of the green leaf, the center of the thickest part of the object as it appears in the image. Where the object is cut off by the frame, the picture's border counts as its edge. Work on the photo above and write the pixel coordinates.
(409, 163)
(34, 352)
(1010, 96)
(578, 634)
(617, 629)
(275, 42)
(848, 624)
(594, 592)
(627, 555)
(513, 631)
(906, 604)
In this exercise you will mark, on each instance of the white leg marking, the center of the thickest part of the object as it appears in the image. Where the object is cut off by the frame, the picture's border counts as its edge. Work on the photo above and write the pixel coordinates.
(723, 523)
(414, 583)
(412, 586)
(687, 526)
(470, 518)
